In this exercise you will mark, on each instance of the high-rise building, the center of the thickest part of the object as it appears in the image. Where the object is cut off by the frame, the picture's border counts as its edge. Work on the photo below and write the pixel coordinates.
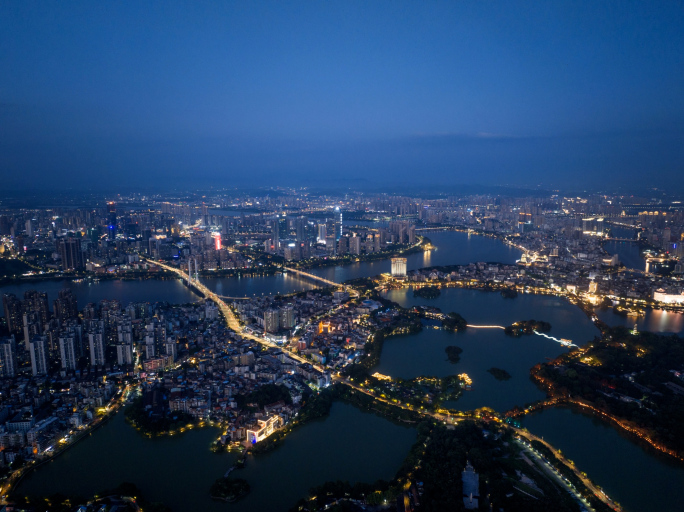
(68, 351)
(32, 327)
(275, 231)
(399, 267)
(171, 348)
(37, 302)
(40, 356)
(71, 253)
(271, 320)
(65, 306)
(343, 245)
(287, 317)
(300, 227)
(13, 312)
(111, 220)
(330, 244)
(338, 223)
(96, 343)
(150, 349)
(29, 228)
(355, 245)
(8, 357)
(124, 354)
(322, 233)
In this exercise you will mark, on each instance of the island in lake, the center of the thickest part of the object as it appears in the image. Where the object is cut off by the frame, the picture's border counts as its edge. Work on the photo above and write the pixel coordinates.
(454, 322)
(427, 292)
(509, 293)
(499, 374)
(453, 353)
(229, 489)
(527, 327)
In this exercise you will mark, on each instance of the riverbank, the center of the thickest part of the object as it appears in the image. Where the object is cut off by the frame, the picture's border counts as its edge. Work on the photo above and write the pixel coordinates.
(89, 277)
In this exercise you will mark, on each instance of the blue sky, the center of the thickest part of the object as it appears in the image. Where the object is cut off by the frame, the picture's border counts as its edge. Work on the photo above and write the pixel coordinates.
(252, 93)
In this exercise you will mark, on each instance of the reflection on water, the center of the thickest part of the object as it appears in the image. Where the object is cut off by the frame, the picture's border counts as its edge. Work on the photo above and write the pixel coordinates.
(246, 286)
(628, 253)
(655, 320)
(125, 291)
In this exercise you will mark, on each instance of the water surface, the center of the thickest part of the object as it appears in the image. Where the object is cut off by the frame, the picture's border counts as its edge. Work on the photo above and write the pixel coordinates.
(347, 445)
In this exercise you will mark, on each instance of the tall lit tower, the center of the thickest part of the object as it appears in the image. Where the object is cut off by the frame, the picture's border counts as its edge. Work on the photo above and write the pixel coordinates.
(276, 233)
(338, 223)
(111, 220)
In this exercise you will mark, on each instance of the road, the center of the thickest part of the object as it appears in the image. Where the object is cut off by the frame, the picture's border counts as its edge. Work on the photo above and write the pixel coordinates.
(552, 472)
(231, 320)
(599, 494)
(352, 291)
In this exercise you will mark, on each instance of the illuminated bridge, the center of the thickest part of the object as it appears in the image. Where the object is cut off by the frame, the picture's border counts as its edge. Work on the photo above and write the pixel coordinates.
(323, 280)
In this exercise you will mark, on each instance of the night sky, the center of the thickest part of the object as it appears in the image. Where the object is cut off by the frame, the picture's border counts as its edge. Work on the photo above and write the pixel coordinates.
(190, 94)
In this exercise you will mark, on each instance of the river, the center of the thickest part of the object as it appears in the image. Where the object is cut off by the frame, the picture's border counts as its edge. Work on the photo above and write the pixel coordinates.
(179, 470)
(452, 248)
(629, 473)
(628, 253)
(126, 291)
(423, 353)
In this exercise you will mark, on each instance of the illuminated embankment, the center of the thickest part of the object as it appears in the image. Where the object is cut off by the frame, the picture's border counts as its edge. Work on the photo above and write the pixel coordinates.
(486, 326)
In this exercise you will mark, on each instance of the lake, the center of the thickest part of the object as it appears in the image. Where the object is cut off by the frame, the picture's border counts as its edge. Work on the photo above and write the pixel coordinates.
(179, 470)
(423, 353)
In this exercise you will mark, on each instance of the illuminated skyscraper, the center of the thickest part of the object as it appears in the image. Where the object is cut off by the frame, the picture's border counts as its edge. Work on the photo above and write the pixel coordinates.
(111, 220)
(276, 233)
(399, 267)
(322, 233)
(338, 223)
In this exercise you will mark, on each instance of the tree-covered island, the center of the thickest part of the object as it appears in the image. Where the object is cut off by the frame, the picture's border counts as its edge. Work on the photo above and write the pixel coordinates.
(453, 353)
(527, 327)
(427, 292)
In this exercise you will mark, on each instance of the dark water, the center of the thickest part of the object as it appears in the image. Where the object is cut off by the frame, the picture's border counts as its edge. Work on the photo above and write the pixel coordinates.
(258, 286)
(453, 248)
(628, 253)
(655, 320)
(348, 445)
(423, 353)
(636, 478)
(145, 290)
(623, 232)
